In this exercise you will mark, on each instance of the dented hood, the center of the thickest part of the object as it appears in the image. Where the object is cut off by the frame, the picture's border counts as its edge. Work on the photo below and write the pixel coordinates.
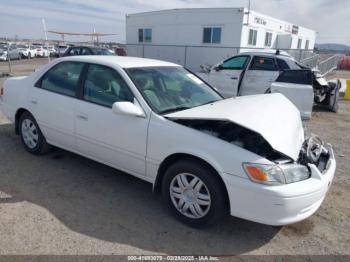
(273, 116)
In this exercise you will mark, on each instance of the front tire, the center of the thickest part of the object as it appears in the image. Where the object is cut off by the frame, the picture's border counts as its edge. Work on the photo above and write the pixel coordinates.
(31, 136)
(194, 193)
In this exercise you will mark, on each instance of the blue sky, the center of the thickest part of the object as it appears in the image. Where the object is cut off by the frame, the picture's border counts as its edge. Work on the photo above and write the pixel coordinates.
(23, 17)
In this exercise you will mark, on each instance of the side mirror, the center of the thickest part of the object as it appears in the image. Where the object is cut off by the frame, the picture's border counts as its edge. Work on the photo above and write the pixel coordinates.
(127, 109)
(217, 68)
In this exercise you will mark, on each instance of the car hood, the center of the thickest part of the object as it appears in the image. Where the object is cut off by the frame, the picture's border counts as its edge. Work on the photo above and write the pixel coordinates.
(273, 116)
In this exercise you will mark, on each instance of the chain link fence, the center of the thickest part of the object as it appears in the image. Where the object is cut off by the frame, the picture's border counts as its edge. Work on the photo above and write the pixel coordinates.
(193, 57)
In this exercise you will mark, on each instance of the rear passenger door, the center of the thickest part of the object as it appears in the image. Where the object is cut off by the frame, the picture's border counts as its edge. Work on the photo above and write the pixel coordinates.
(116, 140)
(52, 102)
(261, 73)
(296, 85)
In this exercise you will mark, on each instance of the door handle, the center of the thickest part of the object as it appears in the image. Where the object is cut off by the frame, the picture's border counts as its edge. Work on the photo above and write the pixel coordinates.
(83, 117)
(234, 78)
(34, 101)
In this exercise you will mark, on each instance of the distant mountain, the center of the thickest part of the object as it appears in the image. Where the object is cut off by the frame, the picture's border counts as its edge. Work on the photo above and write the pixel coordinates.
(333, 47)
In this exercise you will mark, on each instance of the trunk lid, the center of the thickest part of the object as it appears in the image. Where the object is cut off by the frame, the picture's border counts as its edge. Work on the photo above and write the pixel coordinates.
(273, 116)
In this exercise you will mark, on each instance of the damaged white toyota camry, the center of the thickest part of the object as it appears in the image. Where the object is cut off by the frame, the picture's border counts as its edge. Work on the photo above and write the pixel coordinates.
(209, 157)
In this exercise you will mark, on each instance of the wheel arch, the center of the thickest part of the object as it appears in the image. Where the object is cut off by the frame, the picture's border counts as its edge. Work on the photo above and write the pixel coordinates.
(18, 114)
(171, 159)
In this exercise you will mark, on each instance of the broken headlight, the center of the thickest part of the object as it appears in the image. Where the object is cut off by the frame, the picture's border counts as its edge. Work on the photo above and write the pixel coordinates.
(276, 174)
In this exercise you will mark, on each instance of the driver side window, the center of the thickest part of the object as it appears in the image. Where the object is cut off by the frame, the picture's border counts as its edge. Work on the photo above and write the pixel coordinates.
(235, 63)
(104, 86)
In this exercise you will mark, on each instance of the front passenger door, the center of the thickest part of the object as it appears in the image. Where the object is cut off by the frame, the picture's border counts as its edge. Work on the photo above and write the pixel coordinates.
(262, 72)
(226, 77)
(116, 140)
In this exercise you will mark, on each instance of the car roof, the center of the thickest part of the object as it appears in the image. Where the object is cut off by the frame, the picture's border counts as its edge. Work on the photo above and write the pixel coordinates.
(121, 61)
(93, 47)
(282, 55)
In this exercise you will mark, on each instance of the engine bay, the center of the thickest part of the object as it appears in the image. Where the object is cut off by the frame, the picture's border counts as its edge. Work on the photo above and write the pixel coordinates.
(234, 134)
(313, 150)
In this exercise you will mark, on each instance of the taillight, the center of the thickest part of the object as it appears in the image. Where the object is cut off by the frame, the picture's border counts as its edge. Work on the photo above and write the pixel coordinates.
(1, 91)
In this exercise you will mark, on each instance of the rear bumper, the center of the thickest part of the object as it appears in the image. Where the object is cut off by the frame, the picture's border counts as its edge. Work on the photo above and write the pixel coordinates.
(279, 205)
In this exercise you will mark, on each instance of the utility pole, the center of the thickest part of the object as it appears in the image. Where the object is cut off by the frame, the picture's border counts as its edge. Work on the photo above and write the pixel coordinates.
(9, 58)
(248, 11)
(47, 43)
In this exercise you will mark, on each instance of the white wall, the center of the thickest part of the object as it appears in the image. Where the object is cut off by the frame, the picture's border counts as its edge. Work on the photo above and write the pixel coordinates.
(263, 23)
(185, 26)
(172, 30)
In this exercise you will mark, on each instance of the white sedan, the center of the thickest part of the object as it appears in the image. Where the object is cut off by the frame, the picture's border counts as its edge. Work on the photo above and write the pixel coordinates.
(27, 51)
(209, 157)
(42, 51)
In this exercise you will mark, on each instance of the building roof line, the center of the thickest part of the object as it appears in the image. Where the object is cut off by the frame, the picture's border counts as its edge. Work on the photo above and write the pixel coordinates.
(187, 9)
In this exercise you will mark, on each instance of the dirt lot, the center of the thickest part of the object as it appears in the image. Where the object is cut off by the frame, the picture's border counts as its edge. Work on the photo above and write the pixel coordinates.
(62, 203)
(22, 67)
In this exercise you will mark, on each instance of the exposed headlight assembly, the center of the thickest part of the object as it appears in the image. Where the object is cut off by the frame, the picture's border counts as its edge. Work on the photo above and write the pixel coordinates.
(276, 174)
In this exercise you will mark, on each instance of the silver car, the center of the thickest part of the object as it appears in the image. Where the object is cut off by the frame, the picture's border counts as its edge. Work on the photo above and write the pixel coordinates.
(10, 53)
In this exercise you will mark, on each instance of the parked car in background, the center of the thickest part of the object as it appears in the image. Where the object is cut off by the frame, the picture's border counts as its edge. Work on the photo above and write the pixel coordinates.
(27, 51)
(60, 50)
(120, 51)
(87, 50)
(10, 52)
(52, 51)
(209, 156)
(42, 52)
(261, 72)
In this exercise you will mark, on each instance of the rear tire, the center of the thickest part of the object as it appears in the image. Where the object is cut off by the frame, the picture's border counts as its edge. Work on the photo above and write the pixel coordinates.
(194, 194)
(332, 98)
(31, 136)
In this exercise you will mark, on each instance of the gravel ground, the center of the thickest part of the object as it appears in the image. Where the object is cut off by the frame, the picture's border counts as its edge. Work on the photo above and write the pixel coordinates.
(62, 203)
(22, 67)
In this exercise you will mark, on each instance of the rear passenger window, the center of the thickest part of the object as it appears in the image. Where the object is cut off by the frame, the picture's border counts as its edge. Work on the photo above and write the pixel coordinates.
(74, 51)
(282, 64)
(86, 51)
(302, 77)
(263, 64)
(104, 86)
(63, 78)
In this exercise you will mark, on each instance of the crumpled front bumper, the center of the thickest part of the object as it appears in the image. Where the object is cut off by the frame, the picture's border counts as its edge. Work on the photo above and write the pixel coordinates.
(280, 205)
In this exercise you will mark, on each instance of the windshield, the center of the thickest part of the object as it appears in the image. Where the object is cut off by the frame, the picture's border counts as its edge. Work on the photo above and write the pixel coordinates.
(170, 89)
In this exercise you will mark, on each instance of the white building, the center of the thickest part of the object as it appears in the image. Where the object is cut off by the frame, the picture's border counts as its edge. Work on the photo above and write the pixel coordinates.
(198, 36)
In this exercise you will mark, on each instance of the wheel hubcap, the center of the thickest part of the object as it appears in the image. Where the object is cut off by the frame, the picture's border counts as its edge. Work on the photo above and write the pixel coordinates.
(190, 195)
(29, 133)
